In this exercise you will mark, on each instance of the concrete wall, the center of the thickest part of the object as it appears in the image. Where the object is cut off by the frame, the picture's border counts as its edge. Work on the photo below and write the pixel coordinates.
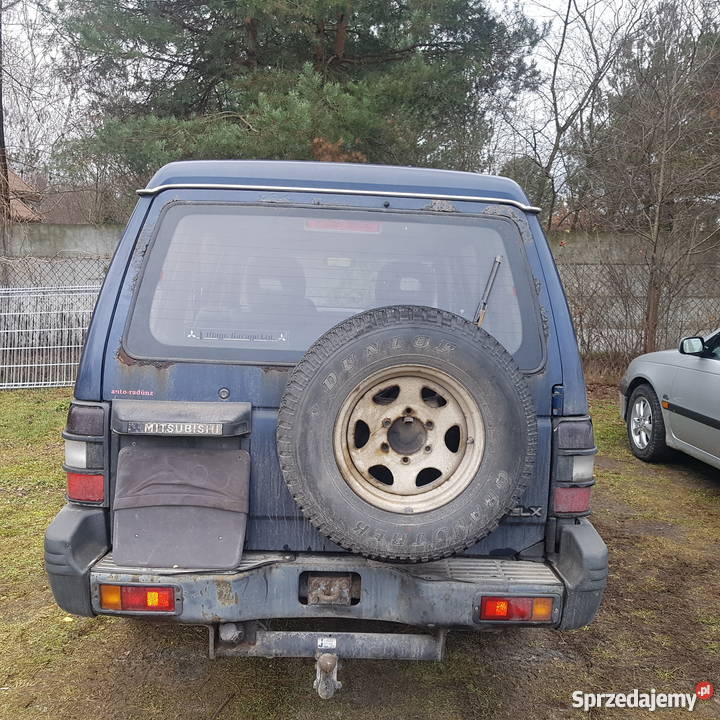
(45, 240)
(608, 248)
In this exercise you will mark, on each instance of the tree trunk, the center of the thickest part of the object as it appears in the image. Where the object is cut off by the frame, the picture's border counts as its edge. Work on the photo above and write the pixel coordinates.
(5, 214)
(652, 308)
(320, 46)
(551, 205)
(341, 35)
(251, 30)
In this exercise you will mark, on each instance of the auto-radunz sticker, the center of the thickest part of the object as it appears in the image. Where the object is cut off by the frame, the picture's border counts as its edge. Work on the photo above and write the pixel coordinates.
(174, 428)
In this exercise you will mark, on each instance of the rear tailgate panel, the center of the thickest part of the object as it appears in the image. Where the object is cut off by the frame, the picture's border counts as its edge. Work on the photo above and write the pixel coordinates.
(275, 522)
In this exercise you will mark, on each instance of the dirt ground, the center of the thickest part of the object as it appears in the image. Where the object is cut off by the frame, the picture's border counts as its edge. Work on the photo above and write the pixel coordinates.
(659, 626)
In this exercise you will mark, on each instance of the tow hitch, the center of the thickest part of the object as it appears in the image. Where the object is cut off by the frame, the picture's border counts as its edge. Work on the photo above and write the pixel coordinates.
(328, 648)
(326, 682)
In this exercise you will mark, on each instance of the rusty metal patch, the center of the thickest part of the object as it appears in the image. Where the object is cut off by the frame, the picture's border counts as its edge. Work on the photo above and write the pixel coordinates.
(329, 589)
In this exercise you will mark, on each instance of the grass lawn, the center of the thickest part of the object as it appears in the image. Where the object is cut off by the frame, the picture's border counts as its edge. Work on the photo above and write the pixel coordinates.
(659, 626)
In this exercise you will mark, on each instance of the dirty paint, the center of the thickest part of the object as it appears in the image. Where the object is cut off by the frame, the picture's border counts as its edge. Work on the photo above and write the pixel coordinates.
(226, 596)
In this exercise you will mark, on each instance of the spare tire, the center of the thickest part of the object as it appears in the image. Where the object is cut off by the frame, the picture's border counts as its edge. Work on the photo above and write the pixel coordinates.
(406, 433)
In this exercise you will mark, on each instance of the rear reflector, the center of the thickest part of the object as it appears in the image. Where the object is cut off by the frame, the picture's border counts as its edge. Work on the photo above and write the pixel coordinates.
(137, 598)
(572, 499)
(85, 488)
(537, 609)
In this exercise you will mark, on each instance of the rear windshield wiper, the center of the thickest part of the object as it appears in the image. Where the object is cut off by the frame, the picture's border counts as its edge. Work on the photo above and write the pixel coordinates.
(481, 310)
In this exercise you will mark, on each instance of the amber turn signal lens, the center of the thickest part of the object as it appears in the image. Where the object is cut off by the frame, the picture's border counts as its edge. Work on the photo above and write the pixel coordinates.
(542, 608)
(110, 597)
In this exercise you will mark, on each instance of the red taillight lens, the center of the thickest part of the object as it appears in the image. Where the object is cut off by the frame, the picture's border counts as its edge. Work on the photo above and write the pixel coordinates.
(134, 597)
(86, 488)
(516, 608)
(137, 597)
(499, 608)
(572, 499)
(495, 609)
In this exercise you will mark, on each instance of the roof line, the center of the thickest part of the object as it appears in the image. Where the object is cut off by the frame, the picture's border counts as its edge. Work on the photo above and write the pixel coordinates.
(337, 191)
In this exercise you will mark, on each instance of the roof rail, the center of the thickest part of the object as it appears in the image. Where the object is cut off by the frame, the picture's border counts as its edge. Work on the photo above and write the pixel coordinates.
(337, 191)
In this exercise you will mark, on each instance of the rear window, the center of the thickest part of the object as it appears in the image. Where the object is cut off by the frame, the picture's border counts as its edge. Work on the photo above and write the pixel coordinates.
(236, 283)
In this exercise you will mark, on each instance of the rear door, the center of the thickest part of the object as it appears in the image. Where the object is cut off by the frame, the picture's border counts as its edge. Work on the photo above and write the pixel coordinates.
(225, 306)
(695, 402)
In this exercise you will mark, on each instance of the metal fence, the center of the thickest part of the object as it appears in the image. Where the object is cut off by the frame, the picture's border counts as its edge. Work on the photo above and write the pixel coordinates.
(45, 309)
(46, 305)
(41, 334)
(607, 302)
(60, 271)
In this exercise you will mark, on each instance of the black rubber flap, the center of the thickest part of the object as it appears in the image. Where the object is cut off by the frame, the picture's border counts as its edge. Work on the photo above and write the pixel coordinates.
(182, 508)
(149, 476)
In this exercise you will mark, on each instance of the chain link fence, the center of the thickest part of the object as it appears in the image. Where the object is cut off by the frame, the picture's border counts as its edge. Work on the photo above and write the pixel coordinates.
(61, 271)
(46, 305)
(45, 309)
(607, 302)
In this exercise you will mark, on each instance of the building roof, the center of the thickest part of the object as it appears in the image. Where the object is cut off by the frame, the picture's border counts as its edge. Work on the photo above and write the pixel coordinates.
(347, 177)
(20, 194)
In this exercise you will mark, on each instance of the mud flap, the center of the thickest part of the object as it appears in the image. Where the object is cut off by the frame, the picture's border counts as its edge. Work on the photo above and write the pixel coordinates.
(180, 507)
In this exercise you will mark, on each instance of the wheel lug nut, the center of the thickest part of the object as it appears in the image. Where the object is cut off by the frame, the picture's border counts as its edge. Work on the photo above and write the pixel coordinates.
(428, 448)
(384, 447)
(386, 422)
(408, 411)
(406, 460)
(429, 424)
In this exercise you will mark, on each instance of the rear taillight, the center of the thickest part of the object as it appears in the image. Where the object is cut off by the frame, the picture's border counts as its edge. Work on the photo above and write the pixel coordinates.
(85, 488)
(573, 466)
(137, 598)
(518, 609)
(575, 500)
(85, 453)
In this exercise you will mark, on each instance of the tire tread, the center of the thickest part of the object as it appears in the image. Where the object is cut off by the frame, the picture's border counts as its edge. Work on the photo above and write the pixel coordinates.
(334, 340)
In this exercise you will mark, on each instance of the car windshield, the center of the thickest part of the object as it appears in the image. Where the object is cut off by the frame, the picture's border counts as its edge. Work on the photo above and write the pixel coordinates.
(239, 283)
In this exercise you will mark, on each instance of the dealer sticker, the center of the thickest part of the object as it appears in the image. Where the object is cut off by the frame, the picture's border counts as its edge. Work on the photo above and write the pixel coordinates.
(327, 643)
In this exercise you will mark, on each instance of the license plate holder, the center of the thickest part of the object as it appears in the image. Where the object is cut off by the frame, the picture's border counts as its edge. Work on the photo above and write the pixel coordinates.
(329, 589)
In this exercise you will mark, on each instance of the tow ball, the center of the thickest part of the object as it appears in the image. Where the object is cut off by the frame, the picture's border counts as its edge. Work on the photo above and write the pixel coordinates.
(326, 682)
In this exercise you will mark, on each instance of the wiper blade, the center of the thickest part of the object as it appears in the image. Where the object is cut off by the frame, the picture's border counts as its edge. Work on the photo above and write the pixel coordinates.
(481, 310)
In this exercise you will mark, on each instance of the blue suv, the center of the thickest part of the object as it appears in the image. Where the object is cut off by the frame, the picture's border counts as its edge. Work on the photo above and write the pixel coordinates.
(325, 394)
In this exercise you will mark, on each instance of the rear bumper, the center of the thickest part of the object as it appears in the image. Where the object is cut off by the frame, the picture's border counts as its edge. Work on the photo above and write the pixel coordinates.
(266, 585)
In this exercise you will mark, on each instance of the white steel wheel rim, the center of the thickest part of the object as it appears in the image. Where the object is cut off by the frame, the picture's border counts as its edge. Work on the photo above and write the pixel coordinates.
(431, 453)
(641, 423)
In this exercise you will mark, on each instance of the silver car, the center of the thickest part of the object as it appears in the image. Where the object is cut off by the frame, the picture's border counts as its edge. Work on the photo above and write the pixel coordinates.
(671, 399)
